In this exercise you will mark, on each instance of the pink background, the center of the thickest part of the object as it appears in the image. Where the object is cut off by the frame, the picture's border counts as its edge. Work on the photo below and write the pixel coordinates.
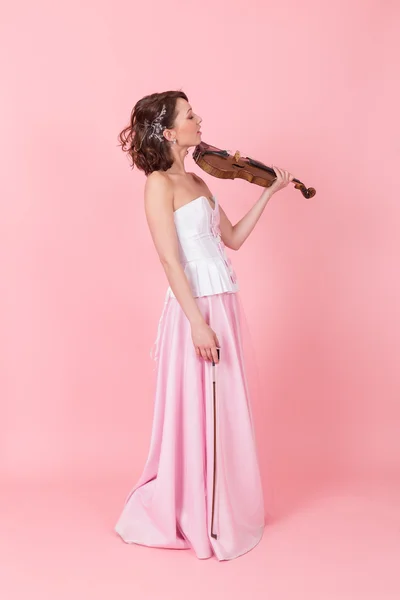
(312, 87)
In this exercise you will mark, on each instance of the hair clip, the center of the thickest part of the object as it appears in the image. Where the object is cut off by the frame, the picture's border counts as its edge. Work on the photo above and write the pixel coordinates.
(156, 126)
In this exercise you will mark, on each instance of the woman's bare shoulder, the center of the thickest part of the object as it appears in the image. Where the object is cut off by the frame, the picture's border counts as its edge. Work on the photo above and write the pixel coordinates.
(157, 179)
(158, 189)
(158, 183)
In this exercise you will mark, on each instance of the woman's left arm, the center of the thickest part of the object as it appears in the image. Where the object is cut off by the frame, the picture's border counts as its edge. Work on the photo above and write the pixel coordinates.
(234, 236)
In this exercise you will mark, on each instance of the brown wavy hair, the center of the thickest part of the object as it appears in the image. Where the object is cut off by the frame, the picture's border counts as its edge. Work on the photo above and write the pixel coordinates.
(149, 154)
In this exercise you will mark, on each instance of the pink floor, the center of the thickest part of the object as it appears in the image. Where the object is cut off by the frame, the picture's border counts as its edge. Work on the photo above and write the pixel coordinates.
(57, 542)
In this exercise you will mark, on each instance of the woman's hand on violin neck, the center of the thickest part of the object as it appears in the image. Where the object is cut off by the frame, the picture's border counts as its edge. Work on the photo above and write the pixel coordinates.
(283, 178)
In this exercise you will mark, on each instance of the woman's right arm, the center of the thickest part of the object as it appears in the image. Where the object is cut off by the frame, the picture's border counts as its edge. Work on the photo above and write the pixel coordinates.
(158, 199)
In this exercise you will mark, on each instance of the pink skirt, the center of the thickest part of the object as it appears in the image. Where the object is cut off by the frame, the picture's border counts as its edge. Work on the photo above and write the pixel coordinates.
(201, 486)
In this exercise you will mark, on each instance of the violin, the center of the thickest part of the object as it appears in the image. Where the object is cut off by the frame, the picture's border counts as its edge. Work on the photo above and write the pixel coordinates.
(222, 164)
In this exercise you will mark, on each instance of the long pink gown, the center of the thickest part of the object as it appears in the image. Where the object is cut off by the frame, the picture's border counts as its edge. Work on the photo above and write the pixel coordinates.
(200, 487)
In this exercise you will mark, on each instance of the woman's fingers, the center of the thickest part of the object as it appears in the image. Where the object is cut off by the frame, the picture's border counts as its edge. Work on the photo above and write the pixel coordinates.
(283, 178)
(283, 174)
(204, 353)
(209, 354)
(277, 171)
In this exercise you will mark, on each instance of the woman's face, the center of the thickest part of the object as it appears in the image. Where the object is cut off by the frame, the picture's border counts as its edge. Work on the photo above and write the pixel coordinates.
(187, 124)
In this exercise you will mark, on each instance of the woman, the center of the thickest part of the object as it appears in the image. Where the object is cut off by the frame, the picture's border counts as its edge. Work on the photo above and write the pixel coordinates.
(201, 486)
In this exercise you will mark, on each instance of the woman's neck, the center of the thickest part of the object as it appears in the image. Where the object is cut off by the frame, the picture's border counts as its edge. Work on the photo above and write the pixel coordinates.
(178, 166)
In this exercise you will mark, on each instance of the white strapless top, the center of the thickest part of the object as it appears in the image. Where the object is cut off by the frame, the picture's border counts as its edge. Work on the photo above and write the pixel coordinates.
(201, 253)
(201, 249)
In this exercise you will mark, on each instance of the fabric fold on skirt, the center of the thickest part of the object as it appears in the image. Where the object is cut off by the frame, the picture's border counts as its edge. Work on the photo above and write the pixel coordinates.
(181, 487)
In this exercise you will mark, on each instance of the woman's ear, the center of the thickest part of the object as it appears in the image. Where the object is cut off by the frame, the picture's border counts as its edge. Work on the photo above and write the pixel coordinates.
(169, 135)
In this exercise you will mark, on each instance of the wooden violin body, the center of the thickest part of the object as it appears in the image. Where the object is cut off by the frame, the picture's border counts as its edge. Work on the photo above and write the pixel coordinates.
(219, 163)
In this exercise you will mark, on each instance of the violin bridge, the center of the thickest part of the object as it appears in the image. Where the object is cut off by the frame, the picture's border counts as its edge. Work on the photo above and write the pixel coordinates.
(237, 156)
